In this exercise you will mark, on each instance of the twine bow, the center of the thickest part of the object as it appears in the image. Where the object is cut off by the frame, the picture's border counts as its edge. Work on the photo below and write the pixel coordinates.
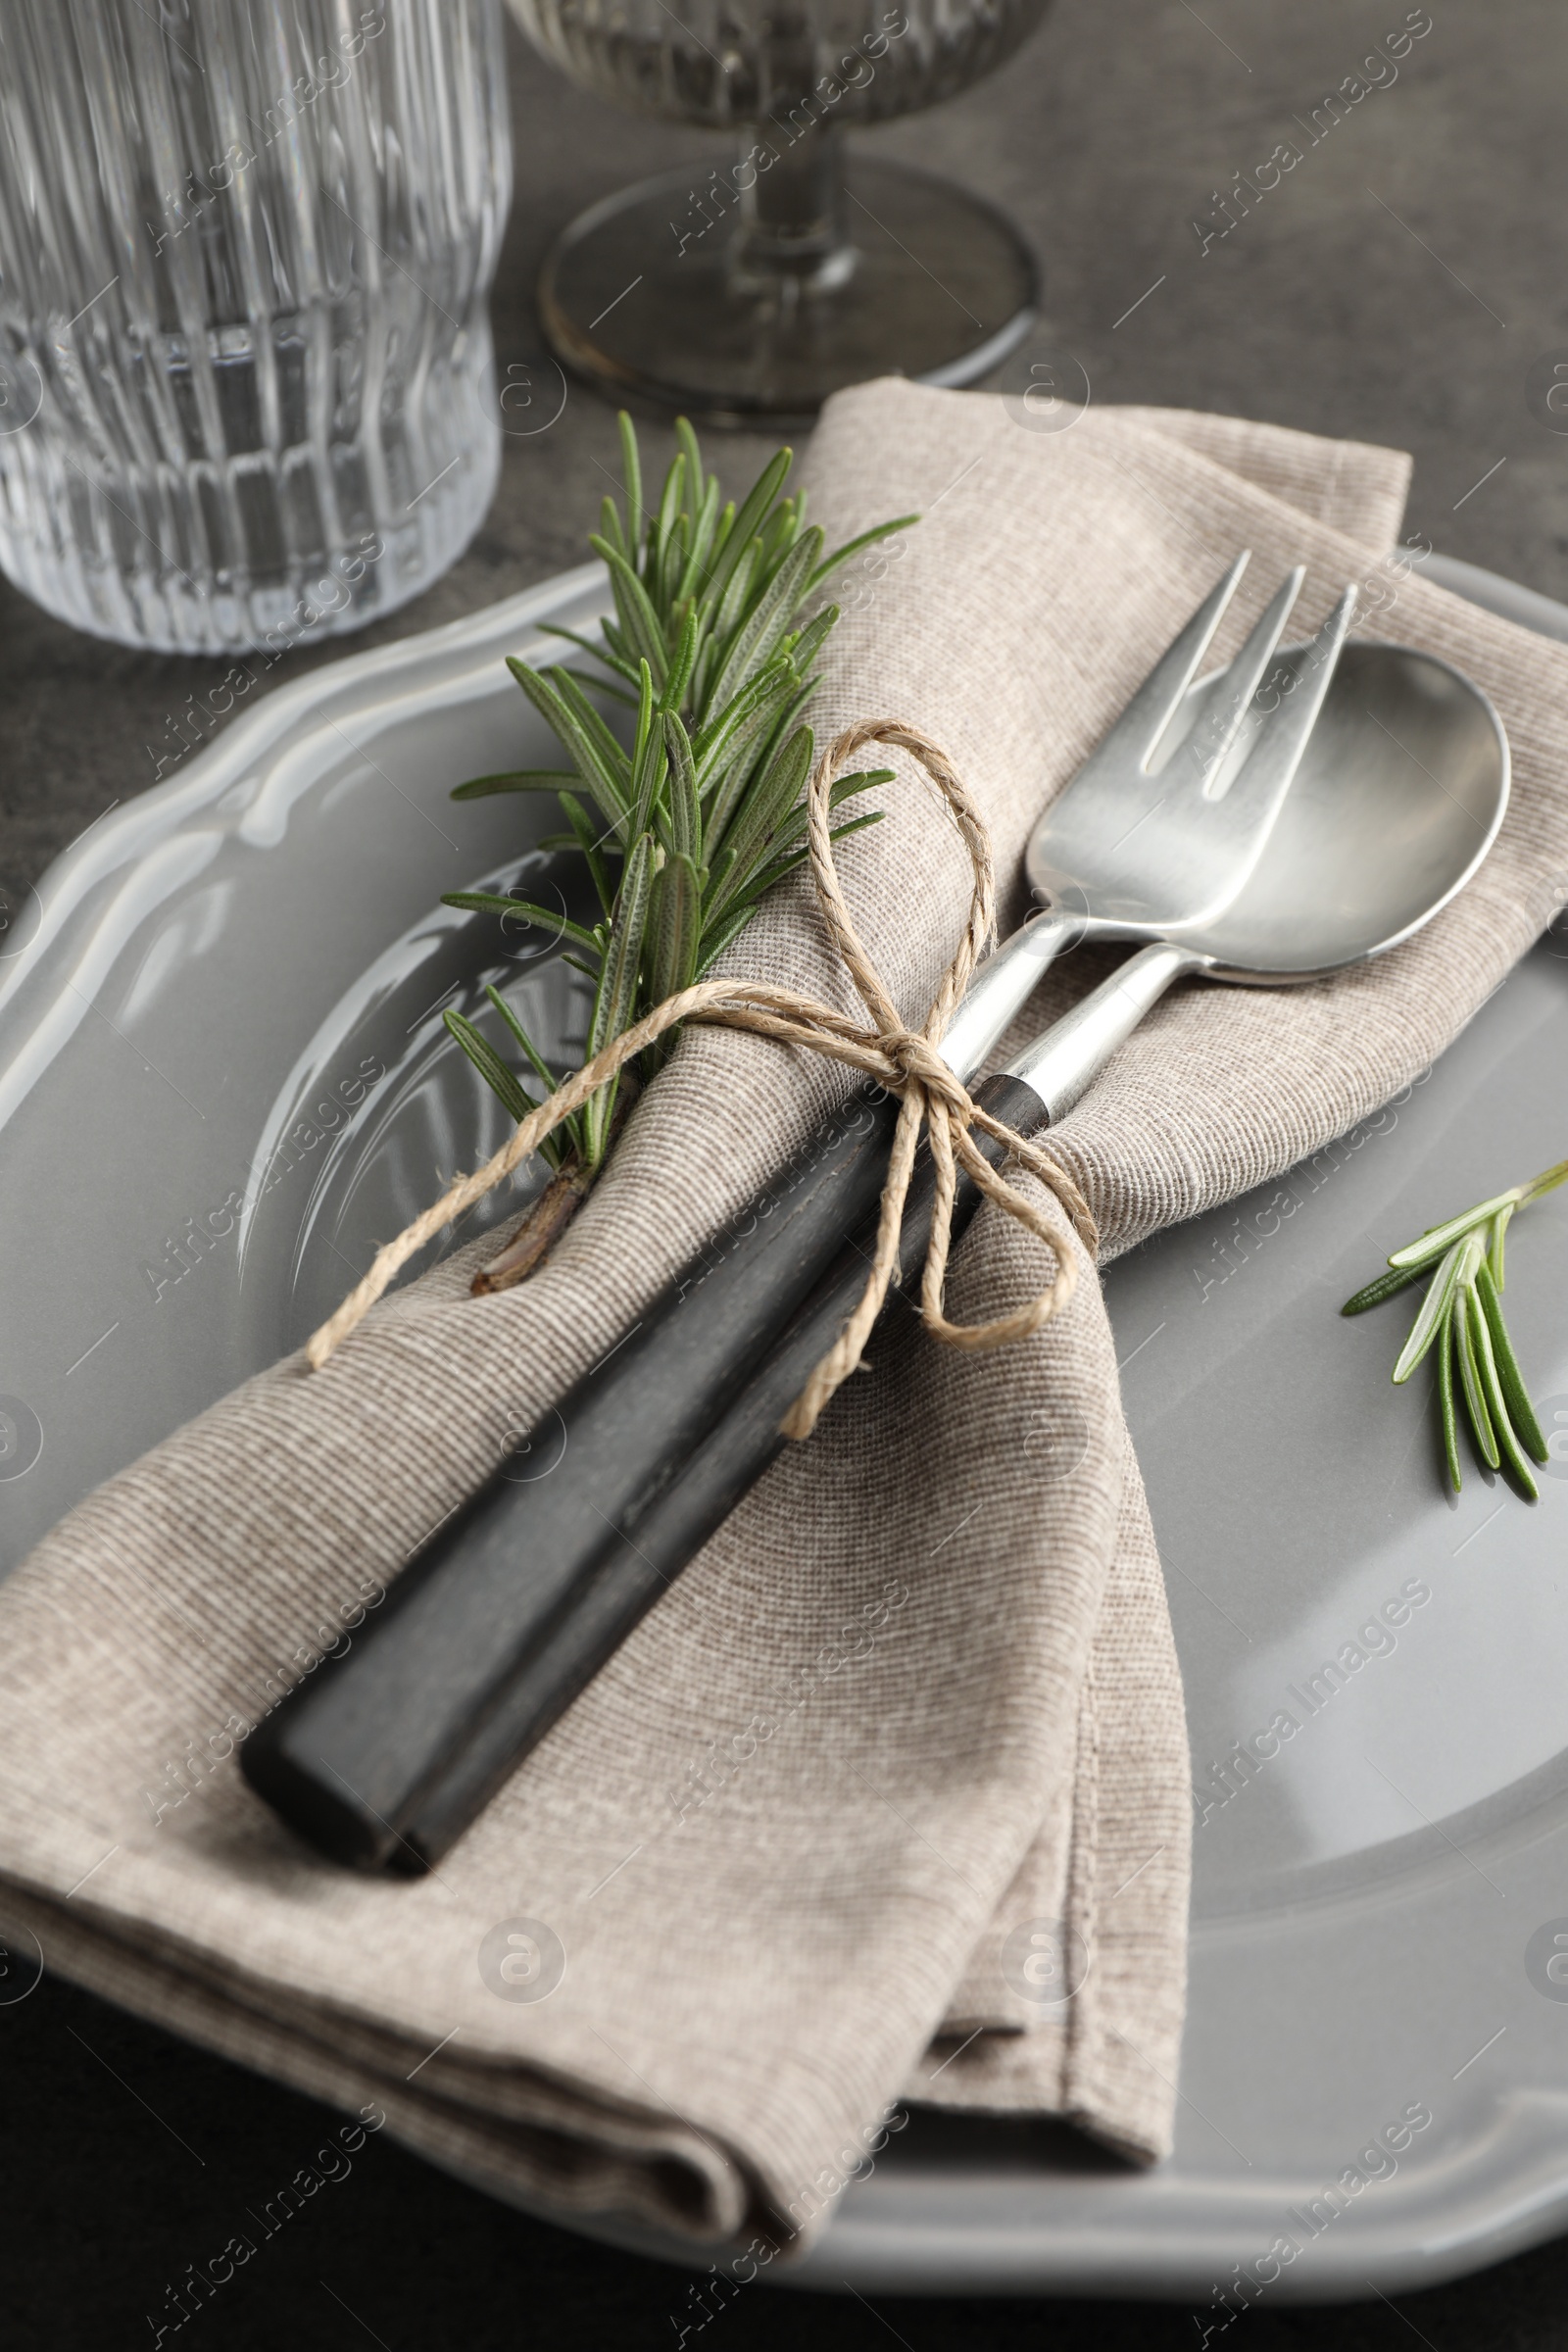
(903, 1060)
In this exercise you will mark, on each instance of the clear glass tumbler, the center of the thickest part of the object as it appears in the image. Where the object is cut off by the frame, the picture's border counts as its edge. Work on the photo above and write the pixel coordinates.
(245, 362)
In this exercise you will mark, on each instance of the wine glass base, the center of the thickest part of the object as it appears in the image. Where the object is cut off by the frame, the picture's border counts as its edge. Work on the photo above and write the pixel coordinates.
(935, 284)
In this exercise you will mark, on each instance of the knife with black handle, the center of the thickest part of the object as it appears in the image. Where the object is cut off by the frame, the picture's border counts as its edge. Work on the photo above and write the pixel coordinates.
(387, 1753)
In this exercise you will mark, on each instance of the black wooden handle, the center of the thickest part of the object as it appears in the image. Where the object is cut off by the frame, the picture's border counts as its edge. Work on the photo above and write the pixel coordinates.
(389, 1751)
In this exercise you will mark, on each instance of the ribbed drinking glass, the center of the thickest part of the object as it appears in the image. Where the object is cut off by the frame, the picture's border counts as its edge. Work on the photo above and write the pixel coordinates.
(245, 358)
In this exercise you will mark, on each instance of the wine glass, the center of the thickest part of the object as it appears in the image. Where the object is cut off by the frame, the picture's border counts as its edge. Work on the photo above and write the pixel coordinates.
(746, 294)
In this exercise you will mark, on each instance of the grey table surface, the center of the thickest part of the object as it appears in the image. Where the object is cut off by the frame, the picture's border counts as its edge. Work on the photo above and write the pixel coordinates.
(1402, 285)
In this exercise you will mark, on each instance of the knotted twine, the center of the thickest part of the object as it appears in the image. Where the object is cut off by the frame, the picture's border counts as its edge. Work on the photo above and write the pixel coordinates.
(903, 1060)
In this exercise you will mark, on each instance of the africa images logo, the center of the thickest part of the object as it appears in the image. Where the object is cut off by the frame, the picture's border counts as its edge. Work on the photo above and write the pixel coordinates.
(523, 1960)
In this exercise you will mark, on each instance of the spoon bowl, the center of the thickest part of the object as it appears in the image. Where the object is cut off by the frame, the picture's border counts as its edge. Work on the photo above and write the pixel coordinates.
(1398, 798)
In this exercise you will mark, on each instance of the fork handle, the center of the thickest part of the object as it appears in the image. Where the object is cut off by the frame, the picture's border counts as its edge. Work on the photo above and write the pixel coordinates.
(1002, 986)
(522, 1547)
(641, 1559)
(636, 1564)
(383, 1756)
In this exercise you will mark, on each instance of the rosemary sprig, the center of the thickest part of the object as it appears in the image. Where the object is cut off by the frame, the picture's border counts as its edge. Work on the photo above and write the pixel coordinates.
(1461, 1316)
(685, 832)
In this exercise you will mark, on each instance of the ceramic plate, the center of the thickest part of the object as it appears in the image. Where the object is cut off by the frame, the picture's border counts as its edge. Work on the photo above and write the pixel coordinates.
(239, 977)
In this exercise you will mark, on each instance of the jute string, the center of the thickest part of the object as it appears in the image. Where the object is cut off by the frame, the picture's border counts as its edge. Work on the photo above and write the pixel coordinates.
(903, 1060)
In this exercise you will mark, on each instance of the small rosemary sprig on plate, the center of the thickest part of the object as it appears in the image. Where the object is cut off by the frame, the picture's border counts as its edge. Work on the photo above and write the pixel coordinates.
(684, 832)
(1461, 1316)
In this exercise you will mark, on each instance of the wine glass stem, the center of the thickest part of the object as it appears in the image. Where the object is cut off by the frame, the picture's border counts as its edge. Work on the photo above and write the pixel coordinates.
(793, 221)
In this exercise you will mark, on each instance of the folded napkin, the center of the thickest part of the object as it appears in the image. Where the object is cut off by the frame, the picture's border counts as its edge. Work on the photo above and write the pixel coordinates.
(887, 1801)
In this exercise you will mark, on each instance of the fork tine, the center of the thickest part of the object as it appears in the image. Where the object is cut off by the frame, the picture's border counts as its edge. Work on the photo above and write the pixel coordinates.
(1271, 764)
(1247, 673)
(1148, 714)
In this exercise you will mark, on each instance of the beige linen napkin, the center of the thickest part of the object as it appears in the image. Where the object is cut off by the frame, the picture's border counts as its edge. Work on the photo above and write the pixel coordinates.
(903, 1754)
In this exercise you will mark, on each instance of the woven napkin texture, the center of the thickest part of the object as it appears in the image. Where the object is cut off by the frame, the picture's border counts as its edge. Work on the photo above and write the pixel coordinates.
(902, 1753)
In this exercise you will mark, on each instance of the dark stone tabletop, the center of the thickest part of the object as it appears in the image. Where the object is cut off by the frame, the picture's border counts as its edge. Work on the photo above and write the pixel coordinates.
(1401, 286)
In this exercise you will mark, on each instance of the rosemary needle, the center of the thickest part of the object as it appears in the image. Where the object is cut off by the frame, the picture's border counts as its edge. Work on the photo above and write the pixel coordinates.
(683, 834)
(1461, 1316)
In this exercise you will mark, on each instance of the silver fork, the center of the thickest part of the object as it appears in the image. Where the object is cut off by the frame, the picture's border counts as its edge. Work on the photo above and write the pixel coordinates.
(1163, 824)
(517, 1599)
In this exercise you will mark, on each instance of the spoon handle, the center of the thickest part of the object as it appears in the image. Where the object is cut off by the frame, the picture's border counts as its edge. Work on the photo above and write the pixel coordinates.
(521, 1548)
(389, 1751)
(641, 1560)
(1063, 1062)
(1002, 986)
(385, 1756)
(637, 1559)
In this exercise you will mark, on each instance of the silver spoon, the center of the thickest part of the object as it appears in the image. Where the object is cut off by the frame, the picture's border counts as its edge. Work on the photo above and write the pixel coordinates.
(518, 1598)
(1396, 799)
